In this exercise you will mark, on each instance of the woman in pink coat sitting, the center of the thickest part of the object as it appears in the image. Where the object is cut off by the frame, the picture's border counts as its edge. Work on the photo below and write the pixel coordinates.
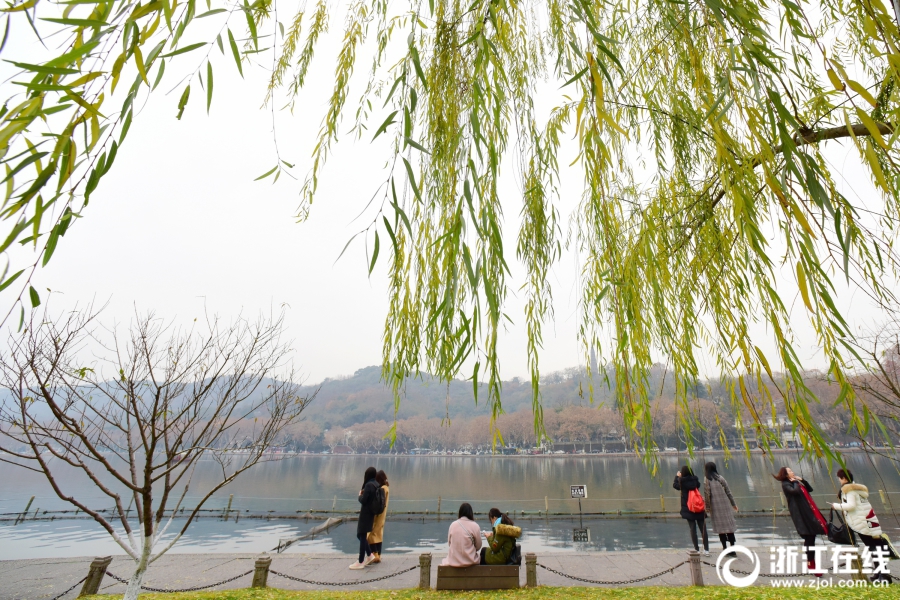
(464, 538)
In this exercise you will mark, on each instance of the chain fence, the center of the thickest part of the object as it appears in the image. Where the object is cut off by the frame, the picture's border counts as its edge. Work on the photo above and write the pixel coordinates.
(191, 589)
(739, 572)
(622, 582)
(341, 583)
(69, 590)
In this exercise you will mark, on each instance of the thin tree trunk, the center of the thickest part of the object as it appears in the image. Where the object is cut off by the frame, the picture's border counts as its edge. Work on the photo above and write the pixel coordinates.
(134, 584)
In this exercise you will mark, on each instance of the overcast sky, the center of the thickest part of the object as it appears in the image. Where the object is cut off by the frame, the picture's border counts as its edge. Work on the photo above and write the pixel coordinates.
(179, 226)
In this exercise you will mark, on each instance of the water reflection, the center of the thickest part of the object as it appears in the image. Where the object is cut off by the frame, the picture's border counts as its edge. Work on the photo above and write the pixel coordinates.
(42, 539)
(511, 483)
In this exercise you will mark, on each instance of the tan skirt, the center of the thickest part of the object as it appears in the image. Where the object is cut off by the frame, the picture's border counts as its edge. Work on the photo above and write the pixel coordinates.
(377, 534)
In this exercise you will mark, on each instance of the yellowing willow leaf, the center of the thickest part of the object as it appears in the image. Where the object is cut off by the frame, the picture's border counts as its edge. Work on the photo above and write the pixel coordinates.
(875, 165)
(872, 126)
(182, 102)
(209, 85)
(234, 51)
(139, 62)
(856, 87)
(801, 283)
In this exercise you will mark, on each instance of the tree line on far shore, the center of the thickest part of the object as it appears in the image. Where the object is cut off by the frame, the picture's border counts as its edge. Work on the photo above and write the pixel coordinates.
(337, 419)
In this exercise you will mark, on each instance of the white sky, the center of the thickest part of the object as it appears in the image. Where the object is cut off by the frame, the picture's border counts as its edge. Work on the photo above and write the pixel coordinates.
(178, 225)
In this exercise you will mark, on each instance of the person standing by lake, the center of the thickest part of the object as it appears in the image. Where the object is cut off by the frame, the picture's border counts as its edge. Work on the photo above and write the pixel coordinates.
(464, 538)
(366, 518)
(685, 481)
(860, 517)
(501, 539)
(808, 520)
(376, 536)
(720, 505)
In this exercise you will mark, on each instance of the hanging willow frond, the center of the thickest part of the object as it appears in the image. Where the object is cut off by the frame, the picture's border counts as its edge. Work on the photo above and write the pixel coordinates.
(700, 130)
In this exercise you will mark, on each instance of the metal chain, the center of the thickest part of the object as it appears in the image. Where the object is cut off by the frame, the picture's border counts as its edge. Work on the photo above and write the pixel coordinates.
(624, 582)
(69, 590)
(341, 583)
(193, 589)
(739, 572)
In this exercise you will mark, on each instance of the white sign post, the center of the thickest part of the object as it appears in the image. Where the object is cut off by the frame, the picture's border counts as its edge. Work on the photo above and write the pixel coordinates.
(579, 491)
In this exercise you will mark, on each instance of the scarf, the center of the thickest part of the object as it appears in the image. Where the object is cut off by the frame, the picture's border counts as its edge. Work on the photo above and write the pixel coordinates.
(815, 509)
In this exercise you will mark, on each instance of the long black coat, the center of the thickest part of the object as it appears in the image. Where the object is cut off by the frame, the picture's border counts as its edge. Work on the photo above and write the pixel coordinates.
(801, 512)
(686, 483)
(366, 518)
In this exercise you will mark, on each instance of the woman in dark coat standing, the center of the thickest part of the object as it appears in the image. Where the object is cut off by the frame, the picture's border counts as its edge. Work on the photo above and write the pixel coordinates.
(685, 480)
(808, 521)
(366, 518)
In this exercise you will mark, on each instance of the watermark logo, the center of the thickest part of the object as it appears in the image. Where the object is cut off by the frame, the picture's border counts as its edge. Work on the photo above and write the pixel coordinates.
(723, 567)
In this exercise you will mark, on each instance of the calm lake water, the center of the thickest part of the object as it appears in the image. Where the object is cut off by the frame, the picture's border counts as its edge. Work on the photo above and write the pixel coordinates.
(528, 484)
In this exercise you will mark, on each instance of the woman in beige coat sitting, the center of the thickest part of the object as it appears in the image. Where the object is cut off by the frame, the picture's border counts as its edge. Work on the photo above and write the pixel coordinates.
(464, 539)
(376, 536)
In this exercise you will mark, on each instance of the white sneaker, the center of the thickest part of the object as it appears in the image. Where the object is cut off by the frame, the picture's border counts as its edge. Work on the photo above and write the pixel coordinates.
(368, 560)
(358, 565)
(706, 553)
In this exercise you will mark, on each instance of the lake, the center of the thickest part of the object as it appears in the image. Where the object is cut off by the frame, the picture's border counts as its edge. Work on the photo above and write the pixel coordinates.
(311, 482)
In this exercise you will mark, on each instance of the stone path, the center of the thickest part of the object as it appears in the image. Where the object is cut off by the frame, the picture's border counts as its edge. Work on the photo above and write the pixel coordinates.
(42, 579)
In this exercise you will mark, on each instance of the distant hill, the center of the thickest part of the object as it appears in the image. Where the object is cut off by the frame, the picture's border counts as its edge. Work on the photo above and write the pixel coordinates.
(363, 397)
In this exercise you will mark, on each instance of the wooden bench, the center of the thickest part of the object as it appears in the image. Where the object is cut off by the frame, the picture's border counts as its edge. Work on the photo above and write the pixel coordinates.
(481, 577)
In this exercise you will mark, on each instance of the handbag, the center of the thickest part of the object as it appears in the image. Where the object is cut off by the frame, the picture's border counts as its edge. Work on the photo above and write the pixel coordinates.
(515, 558)
(838, 534)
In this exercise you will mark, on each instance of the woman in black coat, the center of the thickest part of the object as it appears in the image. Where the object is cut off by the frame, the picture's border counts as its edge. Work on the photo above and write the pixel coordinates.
(366, 518)
(808, 521)
(685, 480)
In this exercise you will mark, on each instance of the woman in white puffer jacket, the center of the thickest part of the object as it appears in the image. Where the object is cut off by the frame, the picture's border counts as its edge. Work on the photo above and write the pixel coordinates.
(861, 517)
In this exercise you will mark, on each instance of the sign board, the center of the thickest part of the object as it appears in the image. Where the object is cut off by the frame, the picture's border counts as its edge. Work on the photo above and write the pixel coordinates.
(579, 491)
(581, 535)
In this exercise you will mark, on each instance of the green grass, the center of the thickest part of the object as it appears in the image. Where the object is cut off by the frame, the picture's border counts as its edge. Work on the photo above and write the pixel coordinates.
(540, 593)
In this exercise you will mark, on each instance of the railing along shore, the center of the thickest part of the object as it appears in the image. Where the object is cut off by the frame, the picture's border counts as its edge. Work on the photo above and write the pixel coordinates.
(661, 506)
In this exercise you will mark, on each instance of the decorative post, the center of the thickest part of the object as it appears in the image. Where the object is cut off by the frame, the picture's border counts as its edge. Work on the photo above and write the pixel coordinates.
(27, 506)
(425, 571)
(696, 573)
(95, 576)
(261, 575)
(662, 502)
(439, 509)
(531, 570)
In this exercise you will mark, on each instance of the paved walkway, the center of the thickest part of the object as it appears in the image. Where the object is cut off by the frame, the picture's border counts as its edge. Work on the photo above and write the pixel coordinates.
(38, 579)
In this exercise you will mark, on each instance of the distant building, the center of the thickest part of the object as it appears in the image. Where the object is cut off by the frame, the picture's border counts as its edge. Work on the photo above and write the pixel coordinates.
(342, 450)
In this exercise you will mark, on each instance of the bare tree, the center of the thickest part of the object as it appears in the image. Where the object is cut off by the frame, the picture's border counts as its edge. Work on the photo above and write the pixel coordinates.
(306, 432)
(878, 384)
(135, 410)
(334, 437)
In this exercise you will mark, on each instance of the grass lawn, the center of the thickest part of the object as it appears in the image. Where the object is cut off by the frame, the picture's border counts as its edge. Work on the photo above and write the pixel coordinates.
(541, 593)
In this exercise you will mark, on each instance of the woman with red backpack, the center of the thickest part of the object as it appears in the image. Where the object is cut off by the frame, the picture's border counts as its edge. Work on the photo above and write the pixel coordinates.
(693, 509)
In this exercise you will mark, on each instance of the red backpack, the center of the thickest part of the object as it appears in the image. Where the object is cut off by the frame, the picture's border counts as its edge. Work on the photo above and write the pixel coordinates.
(695, 502)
